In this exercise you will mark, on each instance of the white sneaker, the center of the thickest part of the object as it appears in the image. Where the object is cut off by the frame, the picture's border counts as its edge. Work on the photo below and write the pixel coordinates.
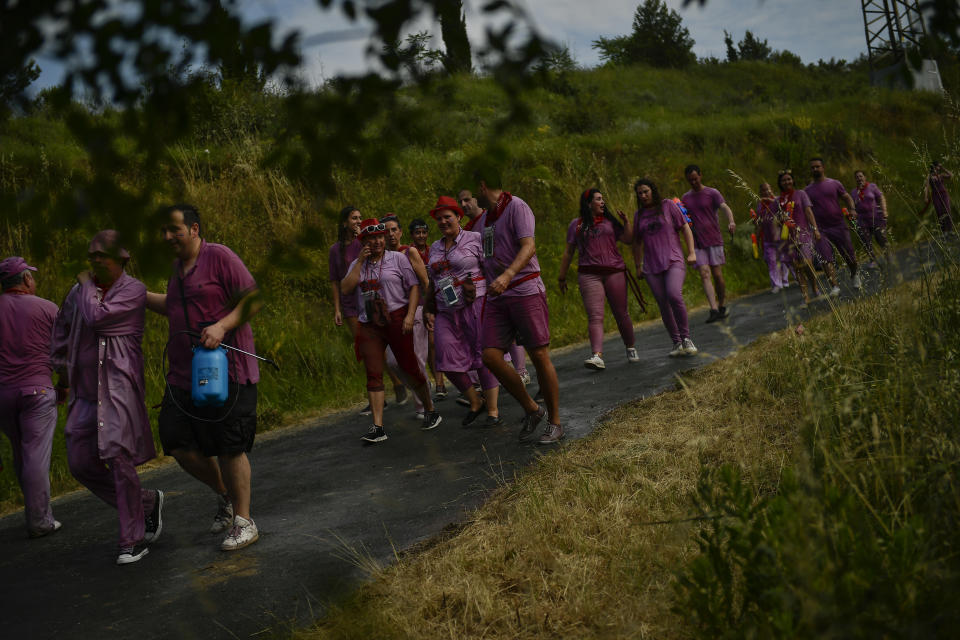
(242, 534)
(525, 378)
(835, 292)
(688, 347)
(856, 282)
(594, 362)
(632, 355)
(224, 517)
(775, 290)
(677, 350)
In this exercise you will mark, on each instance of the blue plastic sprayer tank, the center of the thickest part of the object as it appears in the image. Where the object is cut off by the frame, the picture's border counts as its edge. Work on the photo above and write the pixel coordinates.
(209, 377)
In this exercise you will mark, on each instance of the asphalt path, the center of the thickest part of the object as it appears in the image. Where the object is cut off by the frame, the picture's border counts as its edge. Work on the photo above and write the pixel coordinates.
(329, 509)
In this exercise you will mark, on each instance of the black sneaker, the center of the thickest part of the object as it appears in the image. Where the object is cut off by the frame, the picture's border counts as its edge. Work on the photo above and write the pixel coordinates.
(374, 435)
(528, 429)
(154, 521)
(722, 313)
(129, 555)
(492, 421)
(473, 415)
(714, 316)
(431, 419)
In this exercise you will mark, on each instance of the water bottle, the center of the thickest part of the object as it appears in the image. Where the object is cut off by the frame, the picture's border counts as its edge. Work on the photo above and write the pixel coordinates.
(209, 377)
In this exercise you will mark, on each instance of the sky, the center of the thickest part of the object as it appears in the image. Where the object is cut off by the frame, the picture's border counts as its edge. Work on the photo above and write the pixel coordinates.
(813, 29)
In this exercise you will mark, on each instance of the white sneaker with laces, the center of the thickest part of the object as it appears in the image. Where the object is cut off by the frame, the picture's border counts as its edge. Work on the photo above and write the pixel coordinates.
(224, 517)
(525, 378)
(594, 362)
(835, 292)
(242, 534)
(857, 284)
(632, 355)
(677, 350)
(689, 348)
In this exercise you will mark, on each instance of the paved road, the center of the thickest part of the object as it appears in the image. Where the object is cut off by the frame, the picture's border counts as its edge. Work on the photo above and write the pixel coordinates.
(324, 506)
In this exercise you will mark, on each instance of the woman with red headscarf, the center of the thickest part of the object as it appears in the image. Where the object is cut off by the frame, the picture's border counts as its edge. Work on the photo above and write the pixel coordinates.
(387, 292)
(454, 306)
(600, 271)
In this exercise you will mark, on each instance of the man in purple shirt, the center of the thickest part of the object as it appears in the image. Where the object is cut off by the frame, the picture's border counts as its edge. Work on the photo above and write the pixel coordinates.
(825, 195)
(702, 203)
(28, 409)
(212, 293)
(97, 346)
(516, 303)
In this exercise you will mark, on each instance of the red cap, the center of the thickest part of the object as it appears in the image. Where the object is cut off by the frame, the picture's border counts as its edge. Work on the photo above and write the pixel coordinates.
(446, 202)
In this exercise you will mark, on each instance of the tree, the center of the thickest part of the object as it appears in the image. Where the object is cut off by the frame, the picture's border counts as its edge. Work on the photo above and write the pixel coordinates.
(453, 29)
(732, 54)
(750, 48)
(14, 82)
(658, 39)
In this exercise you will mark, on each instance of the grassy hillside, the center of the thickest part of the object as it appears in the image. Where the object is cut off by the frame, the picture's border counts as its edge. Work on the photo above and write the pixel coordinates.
(603, 127)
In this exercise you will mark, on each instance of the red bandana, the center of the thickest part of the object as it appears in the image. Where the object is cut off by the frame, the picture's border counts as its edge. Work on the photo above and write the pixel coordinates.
(502, 203)
(862, 190)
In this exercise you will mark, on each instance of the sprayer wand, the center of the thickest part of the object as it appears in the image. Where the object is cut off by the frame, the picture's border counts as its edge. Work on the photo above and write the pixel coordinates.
(246, 353)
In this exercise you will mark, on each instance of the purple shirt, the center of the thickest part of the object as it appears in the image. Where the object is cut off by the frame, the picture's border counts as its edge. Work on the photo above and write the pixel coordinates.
(800, 201)
(212, 288)
(868, 204)
(514, 223)
(391, 277)
(939, 196)
(770, 226)
(339, 266)
(596, 244)
(657, 229)
(463, 259)
(702, 207)
(26, 323)
(824, 198)
(111, 326)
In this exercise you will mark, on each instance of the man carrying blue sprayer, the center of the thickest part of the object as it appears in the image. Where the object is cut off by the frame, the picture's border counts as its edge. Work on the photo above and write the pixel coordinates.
(210, 294)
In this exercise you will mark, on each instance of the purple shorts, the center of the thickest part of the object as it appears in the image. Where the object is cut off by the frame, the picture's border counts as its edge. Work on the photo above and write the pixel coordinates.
(712, 256)
(521, 318)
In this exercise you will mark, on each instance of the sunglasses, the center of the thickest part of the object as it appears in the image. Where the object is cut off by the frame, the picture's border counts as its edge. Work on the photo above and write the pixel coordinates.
(785, 172)
(373, 228)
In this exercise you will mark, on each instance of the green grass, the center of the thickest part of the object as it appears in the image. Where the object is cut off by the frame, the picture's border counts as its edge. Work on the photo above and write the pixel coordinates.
(603, 127)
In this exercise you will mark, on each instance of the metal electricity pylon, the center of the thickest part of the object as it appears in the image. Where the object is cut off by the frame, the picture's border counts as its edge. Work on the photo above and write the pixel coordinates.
(892, 27)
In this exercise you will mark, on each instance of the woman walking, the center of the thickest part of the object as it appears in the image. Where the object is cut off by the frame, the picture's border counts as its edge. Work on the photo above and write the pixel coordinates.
(386, 291)
(935, 192)
(769, 222)
(454, 308)
(342, 253)
(803, 233)
(871, 208)
(659, 258)
(601, 272)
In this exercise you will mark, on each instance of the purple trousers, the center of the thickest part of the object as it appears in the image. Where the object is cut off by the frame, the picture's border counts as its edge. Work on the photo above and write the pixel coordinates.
(114, 481)
(667, 289)
(594, 288)
(29, 417)
(776, 256)
(839, 235)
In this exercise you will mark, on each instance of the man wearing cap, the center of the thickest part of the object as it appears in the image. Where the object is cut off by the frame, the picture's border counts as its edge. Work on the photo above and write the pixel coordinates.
(28, 410)
(97, 346)
(212, 295)
(516, 303)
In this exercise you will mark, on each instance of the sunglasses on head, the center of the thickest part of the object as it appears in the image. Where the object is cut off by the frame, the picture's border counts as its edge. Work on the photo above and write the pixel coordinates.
(373, 228)
(785, 172)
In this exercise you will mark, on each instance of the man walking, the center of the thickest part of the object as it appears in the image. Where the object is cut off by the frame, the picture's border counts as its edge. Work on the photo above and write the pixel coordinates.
(825, 195)
(28, 409)
(516, 306)
(702, 203)
(97, 347)
(210, 293)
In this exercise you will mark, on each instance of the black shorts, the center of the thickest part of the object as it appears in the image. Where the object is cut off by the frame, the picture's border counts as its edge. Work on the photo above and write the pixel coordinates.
(231, 431)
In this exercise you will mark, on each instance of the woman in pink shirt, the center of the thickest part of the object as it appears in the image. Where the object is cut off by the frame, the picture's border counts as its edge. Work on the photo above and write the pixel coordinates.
(387, 292)
(600, 271)
(871, 208)
(659, 259)
(342, 254)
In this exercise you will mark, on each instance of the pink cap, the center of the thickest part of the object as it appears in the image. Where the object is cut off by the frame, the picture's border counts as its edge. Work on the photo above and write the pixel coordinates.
(12, 266)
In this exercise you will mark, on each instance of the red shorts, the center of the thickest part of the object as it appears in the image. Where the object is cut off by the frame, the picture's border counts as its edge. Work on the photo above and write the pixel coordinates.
(371, 344)
(521, 318)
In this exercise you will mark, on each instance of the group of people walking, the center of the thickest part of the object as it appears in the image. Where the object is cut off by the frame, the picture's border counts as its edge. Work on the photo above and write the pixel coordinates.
(93, 344)
(469, 308)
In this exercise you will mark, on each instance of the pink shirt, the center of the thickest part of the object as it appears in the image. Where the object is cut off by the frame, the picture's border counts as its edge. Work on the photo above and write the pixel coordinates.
(391, 277)
(464, 259)
(824, 198)
(770, 226)
(702, 206)
(26, 323)
(514, 223)
(867, 203)
(595, 244)
(657, 229)
(212, 288)
(338, 264)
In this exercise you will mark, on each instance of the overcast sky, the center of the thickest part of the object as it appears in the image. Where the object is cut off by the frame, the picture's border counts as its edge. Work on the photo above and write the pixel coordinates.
(813, 29)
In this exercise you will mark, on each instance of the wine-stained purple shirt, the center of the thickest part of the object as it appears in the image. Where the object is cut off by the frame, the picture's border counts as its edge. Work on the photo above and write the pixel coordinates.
(392, 276)
(657, 229)
(596, 244)
(702, 206)
(339, 265)
(516, 222)
(212, 288)
(825, 200)
(868, 206)
(464, 258)
(26, 323)
(97, 339)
